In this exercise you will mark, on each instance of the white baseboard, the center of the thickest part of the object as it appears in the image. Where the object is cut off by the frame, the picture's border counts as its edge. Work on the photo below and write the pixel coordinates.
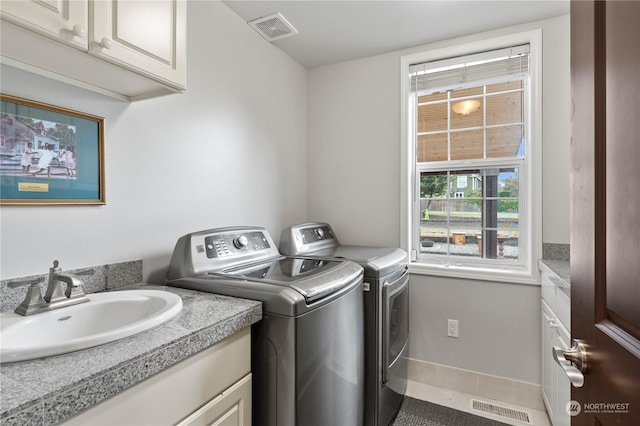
(482, 385)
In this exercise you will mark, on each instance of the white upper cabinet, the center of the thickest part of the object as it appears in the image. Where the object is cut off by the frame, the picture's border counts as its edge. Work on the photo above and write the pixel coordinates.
(128, 49)
(144, 35)
(66, 21)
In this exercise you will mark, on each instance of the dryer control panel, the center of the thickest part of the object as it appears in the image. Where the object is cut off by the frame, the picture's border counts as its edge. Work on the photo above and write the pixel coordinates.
(235, 243)
(316, 233)
(307, 238)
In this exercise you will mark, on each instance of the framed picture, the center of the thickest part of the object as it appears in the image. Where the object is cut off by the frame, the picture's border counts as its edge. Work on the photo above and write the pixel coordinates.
(49, 155)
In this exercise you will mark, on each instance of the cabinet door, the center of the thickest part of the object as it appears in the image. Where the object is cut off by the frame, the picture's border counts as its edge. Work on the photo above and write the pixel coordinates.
(62, 20)
(231, 408)
(562, 384)
(548, 364)
(147, 36)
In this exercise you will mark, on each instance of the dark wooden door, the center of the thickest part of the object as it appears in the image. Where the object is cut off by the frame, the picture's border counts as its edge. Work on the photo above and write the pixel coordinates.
(605, 208)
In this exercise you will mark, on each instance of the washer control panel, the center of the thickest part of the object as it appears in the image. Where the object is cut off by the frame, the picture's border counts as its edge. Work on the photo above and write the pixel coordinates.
(220, 245)
(316, 233)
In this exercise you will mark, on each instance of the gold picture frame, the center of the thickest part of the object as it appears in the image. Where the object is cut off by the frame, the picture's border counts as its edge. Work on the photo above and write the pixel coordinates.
(49, 155)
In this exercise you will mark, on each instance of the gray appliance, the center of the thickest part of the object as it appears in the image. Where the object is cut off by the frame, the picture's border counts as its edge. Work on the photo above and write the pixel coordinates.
(307, 352)
(386, 308)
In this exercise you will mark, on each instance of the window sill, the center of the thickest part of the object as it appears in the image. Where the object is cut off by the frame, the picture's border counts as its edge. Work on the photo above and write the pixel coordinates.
(528, 277)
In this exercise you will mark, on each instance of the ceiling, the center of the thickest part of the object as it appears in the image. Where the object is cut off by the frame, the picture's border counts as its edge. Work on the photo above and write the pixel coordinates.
(332, 31)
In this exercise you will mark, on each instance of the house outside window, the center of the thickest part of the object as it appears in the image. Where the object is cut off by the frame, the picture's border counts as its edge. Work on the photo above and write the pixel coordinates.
(472, 150)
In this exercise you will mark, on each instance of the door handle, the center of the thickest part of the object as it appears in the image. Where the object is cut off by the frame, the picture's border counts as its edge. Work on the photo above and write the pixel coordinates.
(573, 361)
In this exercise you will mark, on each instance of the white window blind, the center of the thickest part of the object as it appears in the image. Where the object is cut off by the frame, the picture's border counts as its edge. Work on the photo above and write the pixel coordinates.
(450, 74)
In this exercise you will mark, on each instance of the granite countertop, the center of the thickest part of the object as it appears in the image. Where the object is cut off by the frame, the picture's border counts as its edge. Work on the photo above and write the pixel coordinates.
(559, 271)
(49, 390)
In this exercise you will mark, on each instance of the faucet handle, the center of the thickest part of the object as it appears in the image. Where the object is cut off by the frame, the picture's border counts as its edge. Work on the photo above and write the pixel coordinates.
(16, 284)
(33, 302)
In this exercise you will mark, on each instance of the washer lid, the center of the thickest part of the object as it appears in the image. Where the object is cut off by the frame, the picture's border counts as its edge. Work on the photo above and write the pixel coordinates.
(378, 260)
(312, 278)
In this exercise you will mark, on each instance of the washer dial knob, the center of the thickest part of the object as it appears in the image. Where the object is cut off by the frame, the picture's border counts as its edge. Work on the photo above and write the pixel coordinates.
(240, 242)
(319, 233)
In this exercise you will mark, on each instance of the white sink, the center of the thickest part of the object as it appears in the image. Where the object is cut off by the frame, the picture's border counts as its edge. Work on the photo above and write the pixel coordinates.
(105, 318)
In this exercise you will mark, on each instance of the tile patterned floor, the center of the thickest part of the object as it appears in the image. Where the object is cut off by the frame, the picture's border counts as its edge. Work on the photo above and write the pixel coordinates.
(415, 412)
(418, 409)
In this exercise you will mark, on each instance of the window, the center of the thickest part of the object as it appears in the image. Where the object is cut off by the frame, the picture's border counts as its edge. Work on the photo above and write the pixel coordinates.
(472, 145)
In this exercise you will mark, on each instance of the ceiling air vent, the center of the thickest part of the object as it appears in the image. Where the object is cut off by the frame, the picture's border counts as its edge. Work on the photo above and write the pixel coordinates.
(273, 27)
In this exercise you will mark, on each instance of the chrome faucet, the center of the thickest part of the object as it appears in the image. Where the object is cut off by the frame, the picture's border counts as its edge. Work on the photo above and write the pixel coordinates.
(54, 297)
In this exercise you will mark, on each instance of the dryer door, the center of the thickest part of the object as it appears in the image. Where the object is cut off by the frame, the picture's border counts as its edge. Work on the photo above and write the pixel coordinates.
(395, 323)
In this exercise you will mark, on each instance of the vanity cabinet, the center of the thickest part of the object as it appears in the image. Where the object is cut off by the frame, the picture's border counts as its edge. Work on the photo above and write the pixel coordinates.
(125, 49)
(212, 387)
(556, 388)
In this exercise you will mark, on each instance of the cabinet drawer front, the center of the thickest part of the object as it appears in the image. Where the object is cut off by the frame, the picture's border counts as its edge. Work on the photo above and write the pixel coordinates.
(232, 407)
(174, 393)
(548, 290)
(563, 308)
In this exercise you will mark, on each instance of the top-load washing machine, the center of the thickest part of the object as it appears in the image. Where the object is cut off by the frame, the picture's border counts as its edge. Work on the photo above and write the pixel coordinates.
(386, 308)
(308, 350)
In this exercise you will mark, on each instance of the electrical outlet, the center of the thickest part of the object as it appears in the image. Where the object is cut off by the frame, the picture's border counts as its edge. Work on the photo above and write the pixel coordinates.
(452, 328)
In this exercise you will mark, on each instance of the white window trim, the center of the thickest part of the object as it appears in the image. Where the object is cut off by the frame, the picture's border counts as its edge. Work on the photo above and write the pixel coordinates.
(529, 273)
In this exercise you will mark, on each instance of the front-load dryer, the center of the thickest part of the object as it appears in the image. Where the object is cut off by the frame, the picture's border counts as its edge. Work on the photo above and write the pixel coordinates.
(386, 308)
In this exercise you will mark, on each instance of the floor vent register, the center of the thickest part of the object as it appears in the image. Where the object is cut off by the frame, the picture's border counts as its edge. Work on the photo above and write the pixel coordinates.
(500, 411)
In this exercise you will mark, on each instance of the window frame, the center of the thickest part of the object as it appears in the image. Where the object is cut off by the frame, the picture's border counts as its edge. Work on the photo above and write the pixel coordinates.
(530, 173)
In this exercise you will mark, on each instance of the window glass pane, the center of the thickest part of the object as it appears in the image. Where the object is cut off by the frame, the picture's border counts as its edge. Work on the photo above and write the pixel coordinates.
(433, 225)
(505, 142)
(504, 109)
(509, 183)
(466, 216)
(432, 147)
(508, 223)
(433, 185)
(503, 87)
(467, 113)
(470, 213)
(467, 144)
(467, 92)
(466, 242)
(432, 117)
(507, 245)
(433, 211)
(432, 97)
(465, 184)
(508, 215)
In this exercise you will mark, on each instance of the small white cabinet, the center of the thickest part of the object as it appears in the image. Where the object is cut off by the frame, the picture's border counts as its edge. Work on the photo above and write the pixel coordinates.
(231, 408)
(66, 21)
(128, 49)
(148, 36)
(556, 388)
(212, 387)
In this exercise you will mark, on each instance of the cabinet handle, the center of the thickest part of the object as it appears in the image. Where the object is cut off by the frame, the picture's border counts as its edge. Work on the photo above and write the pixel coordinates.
(550, 321)
(79, 31)
(106, 43)
(573, 361)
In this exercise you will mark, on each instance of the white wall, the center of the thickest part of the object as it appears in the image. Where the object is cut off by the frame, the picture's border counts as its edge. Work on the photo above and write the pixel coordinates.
(224, 153)
(354, 177)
